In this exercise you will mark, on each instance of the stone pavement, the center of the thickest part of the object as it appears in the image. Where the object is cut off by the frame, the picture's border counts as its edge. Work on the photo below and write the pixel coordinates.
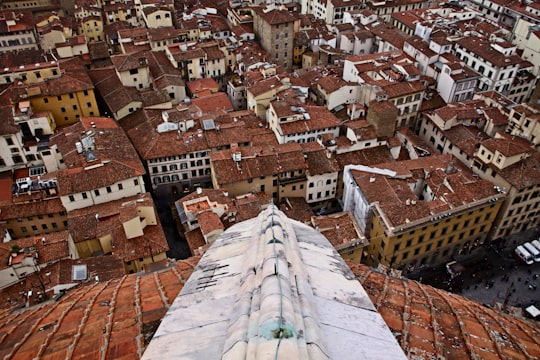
(492, 274)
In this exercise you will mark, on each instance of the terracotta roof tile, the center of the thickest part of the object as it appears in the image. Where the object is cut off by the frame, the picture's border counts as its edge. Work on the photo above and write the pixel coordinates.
(483, 49)
(112, 145)
(109, 86)
(432, 323)
(209, 221)
(251, 205)
(297, 208)
(256, 161)
(524, 173)
(320, 118)
(389, 34)
(116, 319)
(74, 78)
(111, 216)
(340, 229)
(370, 156)
(393, 192)
(276, 16)
(214, 102)
(195, 241)
(263, 86)
(318, 160)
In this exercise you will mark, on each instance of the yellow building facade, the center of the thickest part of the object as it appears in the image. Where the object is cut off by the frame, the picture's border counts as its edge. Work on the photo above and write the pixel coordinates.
(420, 212)
(432, 242)
(69, 107)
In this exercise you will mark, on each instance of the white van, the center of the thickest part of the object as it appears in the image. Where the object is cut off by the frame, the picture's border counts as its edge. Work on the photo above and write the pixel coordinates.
(533, 251)
(524, 255)
(536, 244)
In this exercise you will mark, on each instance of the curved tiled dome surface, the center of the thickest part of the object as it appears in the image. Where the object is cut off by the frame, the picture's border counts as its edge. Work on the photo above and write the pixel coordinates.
(116, 320)
(431, 323)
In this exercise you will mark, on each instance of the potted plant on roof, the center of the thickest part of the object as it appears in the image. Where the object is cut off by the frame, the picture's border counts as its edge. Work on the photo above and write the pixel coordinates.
(15, 250)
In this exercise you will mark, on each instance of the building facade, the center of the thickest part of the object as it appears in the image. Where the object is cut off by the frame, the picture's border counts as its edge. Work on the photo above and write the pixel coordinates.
(420, 212)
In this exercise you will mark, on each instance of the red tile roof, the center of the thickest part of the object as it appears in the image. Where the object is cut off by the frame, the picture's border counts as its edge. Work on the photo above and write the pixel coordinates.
(370, 156)
(340, 229)
(276, 16)
(209, 221)
(483, 49)
(112, 149)
(392, 193)
(318, 160)
(111, 216)
(113, 319)
(296, 208)
(73, 79)
(196, 242)
(431, 323)
(116, 319)
(256, 161)
(214, 102)
(13, 210)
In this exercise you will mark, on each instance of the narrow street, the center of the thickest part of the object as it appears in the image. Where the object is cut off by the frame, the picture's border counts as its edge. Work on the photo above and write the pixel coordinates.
(178, 248)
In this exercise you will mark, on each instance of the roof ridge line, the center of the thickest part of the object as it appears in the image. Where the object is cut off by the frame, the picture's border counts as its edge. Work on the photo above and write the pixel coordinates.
(487, 329)
(465, 335)
(162, 294)
(503, 327)
(87, 311)
(406, 315)
(110, 318)
(434, 323)
(33, 327)
(138, 309)
(5, 334)
(46, 342)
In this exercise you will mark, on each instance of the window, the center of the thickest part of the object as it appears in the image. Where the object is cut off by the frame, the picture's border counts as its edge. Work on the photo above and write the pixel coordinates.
(71, 198)
(96, 192)
(109, 190)
(84, 195)
(136, 182)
